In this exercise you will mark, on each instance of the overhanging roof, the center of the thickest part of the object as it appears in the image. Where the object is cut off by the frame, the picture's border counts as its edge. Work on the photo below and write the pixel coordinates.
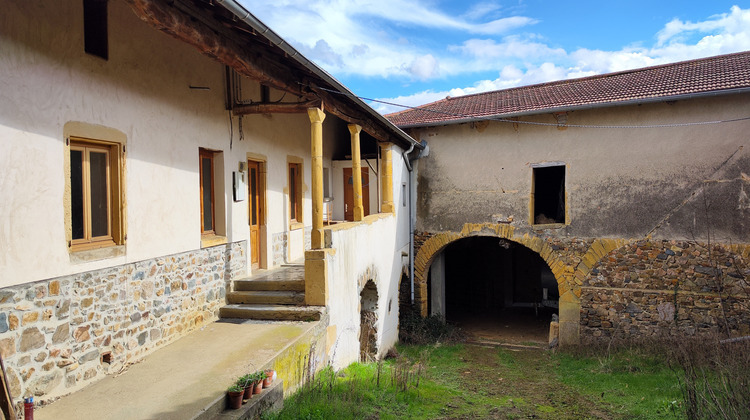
(227, 32)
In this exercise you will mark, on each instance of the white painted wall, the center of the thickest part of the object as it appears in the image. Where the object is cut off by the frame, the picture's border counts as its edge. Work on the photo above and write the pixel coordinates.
(375, 246)
(143, 91)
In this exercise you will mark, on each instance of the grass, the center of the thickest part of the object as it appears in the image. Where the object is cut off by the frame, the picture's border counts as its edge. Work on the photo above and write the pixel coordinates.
(626, 383)
(467, 381)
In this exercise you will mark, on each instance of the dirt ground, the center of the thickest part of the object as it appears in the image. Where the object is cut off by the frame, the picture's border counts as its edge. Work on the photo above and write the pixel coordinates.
(517, 327)
(533, 393)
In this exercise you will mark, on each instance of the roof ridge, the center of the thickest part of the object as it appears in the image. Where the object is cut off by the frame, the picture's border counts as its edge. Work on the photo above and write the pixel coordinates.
(596, 76)
(707, 74)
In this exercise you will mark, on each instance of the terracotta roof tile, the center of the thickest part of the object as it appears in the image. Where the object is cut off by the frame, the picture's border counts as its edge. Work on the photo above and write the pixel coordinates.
(713, 74)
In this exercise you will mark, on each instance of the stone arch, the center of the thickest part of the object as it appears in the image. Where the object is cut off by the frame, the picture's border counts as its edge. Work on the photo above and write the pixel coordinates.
(568, 288)
(368, 315)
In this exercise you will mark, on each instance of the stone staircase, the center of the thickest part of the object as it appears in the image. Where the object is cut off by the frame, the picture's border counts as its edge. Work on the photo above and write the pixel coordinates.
(277, 295)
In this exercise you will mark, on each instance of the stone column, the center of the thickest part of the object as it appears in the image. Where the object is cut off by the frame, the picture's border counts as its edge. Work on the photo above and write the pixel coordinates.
(437, 289)
(359, 210)
(386, 179)
(570, 319)
(316, 133)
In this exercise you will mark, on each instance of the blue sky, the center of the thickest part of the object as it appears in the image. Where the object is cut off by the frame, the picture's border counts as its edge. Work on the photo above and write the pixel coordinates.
(415, 52)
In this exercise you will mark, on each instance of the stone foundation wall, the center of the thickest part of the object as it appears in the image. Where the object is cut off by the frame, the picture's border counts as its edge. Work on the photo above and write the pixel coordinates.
(280, 245)
(655, 288)
(60, 334)
(280, 248)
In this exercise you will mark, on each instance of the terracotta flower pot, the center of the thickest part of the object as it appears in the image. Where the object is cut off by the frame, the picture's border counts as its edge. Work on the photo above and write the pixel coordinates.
(258, 388)
(269, 378)
(248, 392)
(235, 399)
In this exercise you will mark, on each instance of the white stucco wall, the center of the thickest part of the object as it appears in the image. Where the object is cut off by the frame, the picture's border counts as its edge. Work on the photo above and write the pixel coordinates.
(370, 250)
(142, 90)
(650, 179)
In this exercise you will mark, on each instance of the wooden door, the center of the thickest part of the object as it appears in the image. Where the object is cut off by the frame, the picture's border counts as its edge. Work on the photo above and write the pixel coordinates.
(255, 198)
(349, 193)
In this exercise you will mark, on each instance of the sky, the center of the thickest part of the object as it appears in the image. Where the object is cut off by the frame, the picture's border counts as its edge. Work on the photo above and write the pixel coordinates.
(419, 51)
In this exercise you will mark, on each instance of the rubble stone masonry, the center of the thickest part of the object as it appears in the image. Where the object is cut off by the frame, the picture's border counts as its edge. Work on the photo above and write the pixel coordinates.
(651, 288)
(60, 334)
(629, 289)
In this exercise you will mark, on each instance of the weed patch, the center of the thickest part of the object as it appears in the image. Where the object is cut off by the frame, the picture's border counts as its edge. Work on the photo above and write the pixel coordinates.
(469, 381)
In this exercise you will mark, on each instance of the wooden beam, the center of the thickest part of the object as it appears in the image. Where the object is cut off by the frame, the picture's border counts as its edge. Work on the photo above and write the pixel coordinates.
(352, 115)
(245, 60)
(6, 400)
(275, 108)
(252, 59)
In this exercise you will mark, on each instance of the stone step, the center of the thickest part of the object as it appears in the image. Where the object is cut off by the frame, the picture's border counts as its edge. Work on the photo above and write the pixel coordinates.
(271, 297)
(272, 312)
(269, 284)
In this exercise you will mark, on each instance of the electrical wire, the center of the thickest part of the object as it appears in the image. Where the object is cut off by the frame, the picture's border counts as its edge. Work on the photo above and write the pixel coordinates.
(507, 120)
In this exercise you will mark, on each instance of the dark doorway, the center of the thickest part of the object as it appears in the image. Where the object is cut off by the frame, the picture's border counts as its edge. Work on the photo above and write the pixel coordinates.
(498, 289)
(368, 334)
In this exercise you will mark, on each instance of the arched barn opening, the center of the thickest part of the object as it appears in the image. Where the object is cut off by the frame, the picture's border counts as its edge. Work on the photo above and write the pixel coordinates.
(368, 318)
(494, 289)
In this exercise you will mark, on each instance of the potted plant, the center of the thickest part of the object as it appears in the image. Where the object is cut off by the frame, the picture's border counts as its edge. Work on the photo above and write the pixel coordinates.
(235, 393)
(270, 373)
(246, 382)
(259, 377)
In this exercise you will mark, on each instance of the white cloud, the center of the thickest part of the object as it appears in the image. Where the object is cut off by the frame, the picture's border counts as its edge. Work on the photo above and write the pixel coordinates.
(400, 103)
(323, 53)
(718, 34)
(424, 67)
(399, 40)
(372, 39)
(480, 10)
(510, 46)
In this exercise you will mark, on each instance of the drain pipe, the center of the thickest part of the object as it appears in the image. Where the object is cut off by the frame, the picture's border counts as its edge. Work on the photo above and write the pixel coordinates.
(412, 210)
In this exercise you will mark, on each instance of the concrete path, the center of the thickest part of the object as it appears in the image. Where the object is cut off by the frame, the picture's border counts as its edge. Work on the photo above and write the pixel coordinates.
(182, 379)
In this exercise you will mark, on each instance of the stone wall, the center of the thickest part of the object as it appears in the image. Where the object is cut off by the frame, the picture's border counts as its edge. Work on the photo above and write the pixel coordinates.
(629, 288)
(652, 288)
(60, 334)
(280, 246)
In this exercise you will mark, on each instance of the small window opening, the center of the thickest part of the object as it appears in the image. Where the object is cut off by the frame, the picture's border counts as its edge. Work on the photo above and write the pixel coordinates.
(549, 194)
(95, 28)
(265, 94)
(326, 183)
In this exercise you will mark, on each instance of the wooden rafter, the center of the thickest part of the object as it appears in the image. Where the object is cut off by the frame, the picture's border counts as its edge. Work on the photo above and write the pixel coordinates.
(217, 37)
(275, 107)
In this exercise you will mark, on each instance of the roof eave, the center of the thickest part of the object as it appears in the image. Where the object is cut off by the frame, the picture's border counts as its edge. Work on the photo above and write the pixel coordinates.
(404, 140)
(583, 107)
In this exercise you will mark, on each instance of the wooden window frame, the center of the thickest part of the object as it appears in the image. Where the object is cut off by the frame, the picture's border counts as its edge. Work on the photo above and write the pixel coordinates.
(295, 192)
(207, 154)
(115, 232)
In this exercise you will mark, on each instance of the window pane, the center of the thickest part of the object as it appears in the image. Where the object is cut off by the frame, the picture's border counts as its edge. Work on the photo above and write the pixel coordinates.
(76, 193)
(207, 180)
(292, 193)
(99, 194)
(253, 197)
